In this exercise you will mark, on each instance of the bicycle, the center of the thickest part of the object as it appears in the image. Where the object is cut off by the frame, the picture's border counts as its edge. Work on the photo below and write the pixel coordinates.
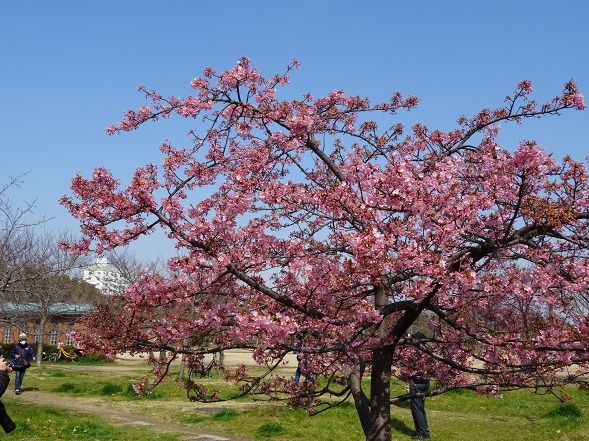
(64, 353)
(60, 354)
(52, 356)
(205, 370)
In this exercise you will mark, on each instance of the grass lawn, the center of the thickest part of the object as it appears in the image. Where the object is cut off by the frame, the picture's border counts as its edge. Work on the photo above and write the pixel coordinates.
(462, 415)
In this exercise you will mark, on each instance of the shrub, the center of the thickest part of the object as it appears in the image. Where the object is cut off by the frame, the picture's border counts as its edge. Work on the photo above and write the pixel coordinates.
(568, 410)
(270, 429)
(460, 391)
(94, 357)
(225, 414)
(111, 389)
(66, 387)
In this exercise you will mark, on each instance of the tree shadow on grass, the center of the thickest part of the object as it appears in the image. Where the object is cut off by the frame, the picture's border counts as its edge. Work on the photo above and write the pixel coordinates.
(399, 426)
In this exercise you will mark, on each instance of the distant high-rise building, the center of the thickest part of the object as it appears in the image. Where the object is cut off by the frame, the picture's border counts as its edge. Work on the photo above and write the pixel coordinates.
(105, 277)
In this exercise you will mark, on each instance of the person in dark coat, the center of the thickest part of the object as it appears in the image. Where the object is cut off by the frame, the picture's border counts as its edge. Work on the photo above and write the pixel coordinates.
(419, 384)
(21, 354)
(7, 424)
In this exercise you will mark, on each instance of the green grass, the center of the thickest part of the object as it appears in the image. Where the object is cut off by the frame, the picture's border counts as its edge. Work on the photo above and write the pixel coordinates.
(111, 389)
(458, 416)
(566, 410)
(224, 415)
(45, 423)
(66, 387)
(271, 429)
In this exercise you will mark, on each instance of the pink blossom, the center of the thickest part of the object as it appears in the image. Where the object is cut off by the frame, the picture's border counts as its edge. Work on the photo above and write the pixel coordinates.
(526, 86)
(575, 100)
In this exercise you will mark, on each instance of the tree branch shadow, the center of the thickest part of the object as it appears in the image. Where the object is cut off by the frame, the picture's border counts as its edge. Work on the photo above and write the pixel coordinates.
(400, 427)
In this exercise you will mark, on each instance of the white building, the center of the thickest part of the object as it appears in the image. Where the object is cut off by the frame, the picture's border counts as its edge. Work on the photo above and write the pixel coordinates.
(105, 277)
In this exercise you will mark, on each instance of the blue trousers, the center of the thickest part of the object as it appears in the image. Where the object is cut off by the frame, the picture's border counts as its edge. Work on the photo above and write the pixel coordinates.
(18, 378)
(298, 374)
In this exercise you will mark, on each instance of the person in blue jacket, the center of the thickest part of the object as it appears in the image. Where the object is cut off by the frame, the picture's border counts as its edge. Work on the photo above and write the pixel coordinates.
(22, 354)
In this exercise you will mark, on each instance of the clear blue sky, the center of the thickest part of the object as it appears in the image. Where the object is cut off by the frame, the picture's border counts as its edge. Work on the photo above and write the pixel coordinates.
(70, 68)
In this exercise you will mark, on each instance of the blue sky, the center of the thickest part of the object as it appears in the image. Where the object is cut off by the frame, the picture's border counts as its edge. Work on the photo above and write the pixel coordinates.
(70, 68)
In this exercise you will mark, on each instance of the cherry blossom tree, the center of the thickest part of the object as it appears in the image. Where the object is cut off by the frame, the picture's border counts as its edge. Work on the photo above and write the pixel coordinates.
(324, 225)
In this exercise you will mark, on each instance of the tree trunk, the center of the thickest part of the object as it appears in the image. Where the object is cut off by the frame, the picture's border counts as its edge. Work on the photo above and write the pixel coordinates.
(374, 414)
(41, 333)
(380, 396)
(360, 398)
(182, 366)
(380, 382)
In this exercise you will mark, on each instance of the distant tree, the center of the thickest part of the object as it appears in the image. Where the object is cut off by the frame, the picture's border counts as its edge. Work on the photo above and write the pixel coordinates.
(47, 285)
(131, 267)
(16, 223)
(307, 225)
(34, 272)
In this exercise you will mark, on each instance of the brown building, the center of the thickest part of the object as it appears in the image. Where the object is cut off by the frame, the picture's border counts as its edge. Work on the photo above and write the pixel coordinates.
(51, 324)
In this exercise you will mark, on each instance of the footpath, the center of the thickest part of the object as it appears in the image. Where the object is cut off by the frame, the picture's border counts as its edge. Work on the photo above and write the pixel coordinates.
(117, 415)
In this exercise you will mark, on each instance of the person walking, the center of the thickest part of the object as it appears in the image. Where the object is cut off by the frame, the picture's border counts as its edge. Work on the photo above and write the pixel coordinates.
(7, 424)
(298, 372)
(22, 354)
(419, 384)
(301, 368)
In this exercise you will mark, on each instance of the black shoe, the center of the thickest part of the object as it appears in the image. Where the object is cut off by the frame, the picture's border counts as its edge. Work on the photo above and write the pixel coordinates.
(18, 392)
(9, 426)
(420, 437)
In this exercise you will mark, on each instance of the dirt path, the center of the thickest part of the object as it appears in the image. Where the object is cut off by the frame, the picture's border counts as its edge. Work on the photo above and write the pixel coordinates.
(118, 415)
(124, 413)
